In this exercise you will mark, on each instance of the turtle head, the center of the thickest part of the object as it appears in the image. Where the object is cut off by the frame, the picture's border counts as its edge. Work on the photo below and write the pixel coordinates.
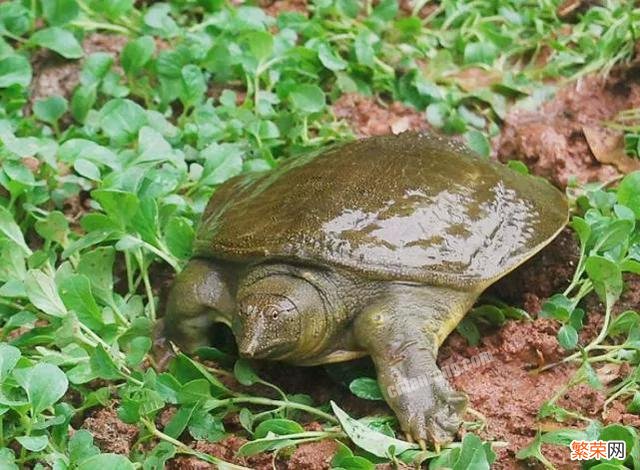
(280, 316)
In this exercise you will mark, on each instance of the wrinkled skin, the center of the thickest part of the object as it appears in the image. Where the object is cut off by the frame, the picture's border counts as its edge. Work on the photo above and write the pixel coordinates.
(383, 267)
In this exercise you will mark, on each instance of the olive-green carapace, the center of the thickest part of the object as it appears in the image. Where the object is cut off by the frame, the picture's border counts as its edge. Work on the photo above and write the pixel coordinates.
(411, 207)
(377, 247)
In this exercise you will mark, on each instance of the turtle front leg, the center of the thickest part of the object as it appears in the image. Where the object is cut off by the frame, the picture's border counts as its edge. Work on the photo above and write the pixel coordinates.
(201, 295)
(402, 333)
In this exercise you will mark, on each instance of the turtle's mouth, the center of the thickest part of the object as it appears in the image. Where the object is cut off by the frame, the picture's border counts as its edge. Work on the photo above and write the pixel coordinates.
(253, 348)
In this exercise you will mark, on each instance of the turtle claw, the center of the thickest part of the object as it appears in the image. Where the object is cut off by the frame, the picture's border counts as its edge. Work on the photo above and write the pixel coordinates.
(423, 444)
(430, 414)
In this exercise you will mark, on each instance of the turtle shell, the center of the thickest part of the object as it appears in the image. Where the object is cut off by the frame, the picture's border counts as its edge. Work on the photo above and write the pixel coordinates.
(415, 207)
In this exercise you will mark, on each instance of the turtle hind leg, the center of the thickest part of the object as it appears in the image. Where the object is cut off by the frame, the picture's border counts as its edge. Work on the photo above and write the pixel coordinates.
(402, 332)
(201, 295)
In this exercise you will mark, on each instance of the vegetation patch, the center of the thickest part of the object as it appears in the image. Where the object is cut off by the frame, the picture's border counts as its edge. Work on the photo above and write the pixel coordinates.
(118, 121)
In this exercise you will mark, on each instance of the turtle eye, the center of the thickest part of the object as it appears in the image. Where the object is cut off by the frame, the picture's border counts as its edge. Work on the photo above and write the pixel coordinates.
(273, 313)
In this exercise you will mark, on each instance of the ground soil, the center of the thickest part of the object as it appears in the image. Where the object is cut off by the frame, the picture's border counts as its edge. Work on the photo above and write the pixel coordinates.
(54, 75)
(109, 432)
(275, 7)
(369, 116)
(551, 140)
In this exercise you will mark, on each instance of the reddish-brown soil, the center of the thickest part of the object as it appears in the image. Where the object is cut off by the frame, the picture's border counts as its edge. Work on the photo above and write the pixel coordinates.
(54, 75)
(275, 7)
(368, 116)
(109, 432)
(551, 141)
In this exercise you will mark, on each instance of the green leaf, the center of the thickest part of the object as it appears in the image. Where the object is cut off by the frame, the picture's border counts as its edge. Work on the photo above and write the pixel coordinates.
(193, 85)
(45, 384)
(137, 349)
(606, 277)
(158, 21)
(103, 365)
(278, 426)
(244, 372)
(221, 162)
(54, 227)
(204, 426)
(179, 235)
(364, 48)
(137, 53)
(353, 462)
(367, 439)
(113, 9)
(9, 356)
(77, 296)
(106, 462)
(533, 450)
(478, 142)
(97, 265)
(367, 388)
(81, 446)
(563, 437)
(473, 454)
(43, 294)
(157, 459)
(568, 337)
(480, 52)
(517, 165)
(58, 40)
(59, 12)
(11, 230)
(307, 99)
(469, 330)
(617, 232)
(82, 101)
(87, 168)
(178, 423)
(120, 206)
(622, 323)
(7, 459)
(96, 68)
(260, 44)
(582, 228)
(33, 443)
(15, 70)
(634, 404)
(266, 444)
(50, 109)
(121, 119)
(386, 10)
(629, 192)
(330, 59)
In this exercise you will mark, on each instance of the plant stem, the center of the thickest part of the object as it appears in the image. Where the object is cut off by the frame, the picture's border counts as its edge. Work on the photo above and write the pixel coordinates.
(183, 448)
(270, 402)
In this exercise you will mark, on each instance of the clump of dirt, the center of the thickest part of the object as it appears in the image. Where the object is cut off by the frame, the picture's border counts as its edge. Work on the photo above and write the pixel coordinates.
(617, 413)
(308, 456)
(507, 390)
(110, 433)
(313, 456)
(367, 116)
(275, 7)
(54, 75)
(551, 141)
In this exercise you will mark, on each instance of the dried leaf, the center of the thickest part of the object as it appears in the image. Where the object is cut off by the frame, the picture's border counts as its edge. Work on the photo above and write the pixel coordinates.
(474, 78)
(608, 148)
